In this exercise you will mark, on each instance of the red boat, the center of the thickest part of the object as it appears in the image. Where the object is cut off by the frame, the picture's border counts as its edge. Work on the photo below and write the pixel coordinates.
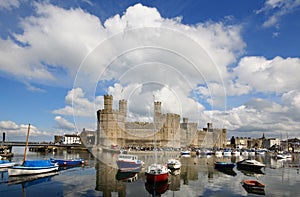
(253, 186)
(157, 173)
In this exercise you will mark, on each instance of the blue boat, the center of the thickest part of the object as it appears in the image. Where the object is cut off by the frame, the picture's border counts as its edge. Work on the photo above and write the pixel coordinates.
(67, 162)
(32, 167)
(223, 165)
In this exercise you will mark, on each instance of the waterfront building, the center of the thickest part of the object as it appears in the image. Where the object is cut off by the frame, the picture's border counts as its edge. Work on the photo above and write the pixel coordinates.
(67, 139)
(268, 143)
(113, 129)
(241, 142)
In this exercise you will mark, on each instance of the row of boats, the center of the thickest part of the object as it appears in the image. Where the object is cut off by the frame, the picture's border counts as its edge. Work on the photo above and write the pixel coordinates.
(30, 167)
(158, 173)
(236, 152)
(154, 173)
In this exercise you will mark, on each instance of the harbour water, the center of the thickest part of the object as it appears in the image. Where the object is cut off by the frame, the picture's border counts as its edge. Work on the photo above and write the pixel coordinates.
(197, 177)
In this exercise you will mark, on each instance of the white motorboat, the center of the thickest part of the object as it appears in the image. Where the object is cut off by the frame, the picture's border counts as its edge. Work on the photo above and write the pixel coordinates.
(174, 164)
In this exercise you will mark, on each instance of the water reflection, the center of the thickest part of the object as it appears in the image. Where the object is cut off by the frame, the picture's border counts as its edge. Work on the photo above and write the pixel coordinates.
(197, 177)
(127, 176)
(157, 188)
(106, 181)
(252, 173)
(254, 190)
(30, 180)
(228, 171)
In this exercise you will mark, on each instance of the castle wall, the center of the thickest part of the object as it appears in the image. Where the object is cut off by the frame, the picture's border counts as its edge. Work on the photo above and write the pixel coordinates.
(165, 131)
(210, 138)
(187, 133)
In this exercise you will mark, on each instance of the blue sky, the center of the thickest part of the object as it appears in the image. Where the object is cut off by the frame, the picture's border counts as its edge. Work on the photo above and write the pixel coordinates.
(233, 63)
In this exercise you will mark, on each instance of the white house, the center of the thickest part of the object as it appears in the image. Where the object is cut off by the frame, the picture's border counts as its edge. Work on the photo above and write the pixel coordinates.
(267, 143)
(71, 139)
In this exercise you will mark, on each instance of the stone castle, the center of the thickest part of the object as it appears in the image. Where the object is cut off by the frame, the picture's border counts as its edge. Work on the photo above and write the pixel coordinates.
(165, 131)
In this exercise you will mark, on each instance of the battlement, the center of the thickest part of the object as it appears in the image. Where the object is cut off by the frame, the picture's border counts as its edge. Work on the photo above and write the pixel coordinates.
(108, 96)
(171, 115)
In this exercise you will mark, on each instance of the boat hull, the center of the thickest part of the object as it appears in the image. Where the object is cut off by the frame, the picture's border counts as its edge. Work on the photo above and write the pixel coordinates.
(21, 170)
(224, 165)
(62, 162)
(6, 164)
(185, 153)
(157, 177)
(129, 166)
(249, 167)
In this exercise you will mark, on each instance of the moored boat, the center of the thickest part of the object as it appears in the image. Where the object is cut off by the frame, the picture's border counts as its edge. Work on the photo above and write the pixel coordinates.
(284, 156)
(185, 153)
(253, 186)
(173, 164)
(222, 165)
(250, 164)
(156, 173)
(253, 183)
(236, 153)
(127, 162)
(227, 153)
(32, 167)
(6, 164)
(67, 162)
(245, 153)
(218, 153)
(251, 153)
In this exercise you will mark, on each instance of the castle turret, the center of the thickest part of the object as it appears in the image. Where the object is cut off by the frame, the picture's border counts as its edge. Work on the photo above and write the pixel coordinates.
(209, 126)
(157, 111)
(123, 107)
(108, 101)
(185, 120)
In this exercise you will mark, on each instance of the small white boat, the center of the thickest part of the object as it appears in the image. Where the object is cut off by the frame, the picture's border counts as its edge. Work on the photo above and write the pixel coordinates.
(236, 153)
(185, 153)
(6, 164)
(284, 156)
(174, 164)
(260, 152)
(218, 153)
(227, 153)
(251, 153)
(33, 167)
(245, 153)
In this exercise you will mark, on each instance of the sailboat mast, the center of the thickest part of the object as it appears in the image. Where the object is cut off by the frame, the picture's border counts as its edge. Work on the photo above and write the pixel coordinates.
(24, 158)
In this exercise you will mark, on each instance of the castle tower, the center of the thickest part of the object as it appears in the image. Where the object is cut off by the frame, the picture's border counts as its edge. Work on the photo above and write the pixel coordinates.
(123, 107)
(157, 111)
(108, 102)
